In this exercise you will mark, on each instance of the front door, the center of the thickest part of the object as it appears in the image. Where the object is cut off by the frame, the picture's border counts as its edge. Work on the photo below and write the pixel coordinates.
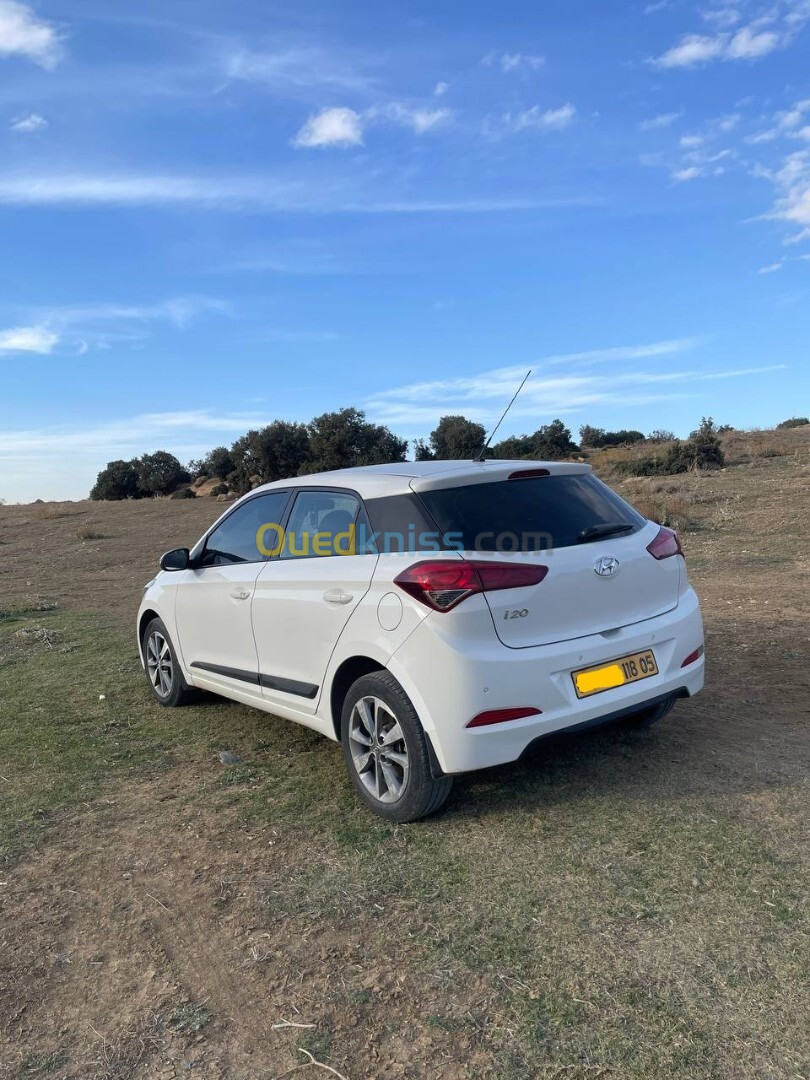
(213, 600)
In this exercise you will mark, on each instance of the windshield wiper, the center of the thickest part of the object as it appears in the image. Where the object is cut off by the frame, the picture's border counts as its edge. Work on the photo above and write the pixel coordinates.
(606, 528)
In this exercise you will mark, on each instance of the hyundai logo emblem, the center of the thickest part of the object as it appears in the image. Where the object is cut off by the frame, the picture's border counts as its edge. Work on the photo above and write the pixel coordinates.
(606, 566)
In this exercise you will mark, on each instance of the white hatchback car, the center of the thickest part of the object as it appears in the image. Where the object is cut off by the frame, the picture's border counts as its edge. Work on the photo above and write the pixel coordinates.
(434, 618)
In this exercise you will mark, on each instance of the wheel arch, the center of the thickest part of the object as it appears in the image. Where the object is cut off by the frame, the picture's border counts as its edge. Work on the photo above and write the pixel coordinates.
(349, 671)
(143, 621)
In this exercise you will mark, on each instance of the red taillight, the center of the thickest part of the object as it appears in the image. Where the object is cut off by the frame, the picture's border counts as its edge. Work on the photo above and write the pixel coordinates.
(500, 716)
(665, 545)
(693, 656)
(442, 584)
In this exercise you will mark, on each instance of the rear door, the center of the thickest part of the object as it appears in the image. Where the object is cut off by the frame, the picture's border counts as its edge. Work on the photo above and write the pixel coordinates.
(306, 595)
(592, 585)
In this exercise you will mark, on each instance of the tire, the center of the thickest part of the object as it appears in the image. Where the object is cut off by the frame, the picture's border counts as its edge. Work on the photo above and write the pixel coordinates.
(393, 775)
(645, 718)
(163, 674)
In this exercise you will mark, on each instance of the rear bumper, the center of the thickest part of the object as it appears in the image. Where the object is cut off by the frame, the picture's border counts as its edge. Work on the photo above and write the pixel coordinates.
(449, 685)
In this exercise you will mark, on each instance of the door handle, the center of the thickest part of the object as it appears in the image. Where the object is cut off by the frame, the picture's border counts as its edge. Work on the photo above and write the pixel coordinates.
(240, 593)
(338, 596)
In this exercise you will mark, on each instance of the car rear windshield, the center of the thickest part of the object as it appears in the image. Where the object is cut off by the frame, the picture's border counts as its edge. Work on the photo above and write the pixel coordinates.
(532, 514)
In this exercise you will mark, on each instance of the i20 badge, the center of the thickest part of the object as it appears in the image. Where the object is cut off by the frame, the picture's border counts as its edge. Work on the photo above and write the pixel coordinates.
(606, 566)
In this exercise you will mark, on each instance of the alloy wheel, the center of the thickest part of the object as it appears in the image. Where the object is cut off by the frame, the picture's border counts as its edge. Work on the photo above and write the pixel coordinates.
(378, 749)
(159, 664)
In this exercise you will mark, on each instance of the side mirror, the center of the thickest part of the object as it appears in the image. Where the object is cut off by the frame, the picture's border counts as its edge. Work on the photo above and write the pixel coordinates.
(176, 559)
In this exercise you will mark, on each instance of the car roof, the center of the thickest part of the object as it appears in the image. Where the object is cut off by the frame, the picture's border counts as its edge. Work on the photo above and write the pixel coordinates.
(402, 477)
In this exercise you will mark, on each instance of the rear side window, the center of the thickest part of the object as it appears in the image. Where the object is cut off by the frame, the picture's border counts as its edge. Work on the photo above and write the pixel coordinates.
(532, 514)
(322, 523)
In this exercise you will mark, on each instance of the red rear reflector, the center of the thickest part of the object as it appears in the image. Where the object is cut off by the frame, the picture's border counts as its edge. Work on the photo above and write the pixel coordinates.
(693, 656)
(665, 545)
(521, 474)
(442, 584)
(500, 716)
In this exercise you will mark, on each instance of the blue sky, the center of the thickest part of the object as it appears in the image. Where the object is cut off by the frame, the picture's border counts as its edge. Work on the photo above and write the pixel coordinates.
(215, 214)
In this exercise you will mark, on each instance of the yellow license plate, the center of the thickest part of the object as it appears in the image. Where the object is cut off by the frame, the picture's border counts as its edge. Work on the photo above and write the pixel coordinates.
(626, 669)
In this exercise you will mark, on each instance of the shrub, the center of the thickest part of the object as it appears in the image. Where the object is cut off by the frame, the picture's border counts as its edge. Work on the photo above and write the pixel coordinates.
(219, 489)
(184, 493)
(661, 435)
(671, 510)
(593, 437)
(550, 442)
(794, 421)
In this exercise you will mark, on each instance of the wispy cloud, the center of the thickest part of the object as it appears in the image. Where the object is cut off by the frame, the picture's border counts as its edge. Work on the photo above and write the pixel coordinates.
(28, 339)
(441, 88)
(23, 33)
(418, 120)
(771, 268)
(331, 127)
(62, 461)
(298, 71)
(663, 120)
(626, 352)
(31, 122)
(513, 62)
(532, 119)
(480, 397)
(243, 193)
(74, 329)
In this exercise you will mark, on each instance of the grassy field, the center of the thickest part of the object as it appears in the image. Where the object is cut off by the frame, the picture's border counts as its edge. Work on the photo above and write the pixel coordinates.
(630, 905)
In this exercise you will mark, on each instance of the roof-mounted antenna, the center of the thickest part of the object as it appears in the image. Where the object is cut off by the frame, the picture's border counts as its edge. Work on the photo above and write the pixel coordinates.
(480, 455)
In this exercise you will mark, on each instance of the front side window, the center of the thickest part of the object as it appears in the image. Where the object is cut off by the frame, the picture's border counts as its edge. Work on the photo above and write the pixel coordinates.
(243, 536)
(322, 523)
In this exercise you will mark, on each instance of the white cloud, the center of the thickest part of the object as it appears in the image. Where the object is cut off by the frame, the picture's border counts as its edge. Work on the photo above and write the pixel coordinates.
(22, 33)
(331, 127)
(692, 49)
(771, 268)
(539, 119)
(758, 39)
(32, 122)
(692, 172)
(748, 44)
(691, 142)
(509, 62)
(722, 17)
(663, 120)
(792, 182)
(28, 339)
(441, 88)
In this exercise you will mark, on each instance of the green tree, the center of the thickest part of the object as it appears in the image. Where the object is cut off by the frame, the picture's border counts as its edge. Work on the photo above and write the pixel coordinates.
(422, 451)
(457, 438)
(340, 440)
(218, 462)
(275, 452)
(160, 473)
(516, 446)
(118, 480)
